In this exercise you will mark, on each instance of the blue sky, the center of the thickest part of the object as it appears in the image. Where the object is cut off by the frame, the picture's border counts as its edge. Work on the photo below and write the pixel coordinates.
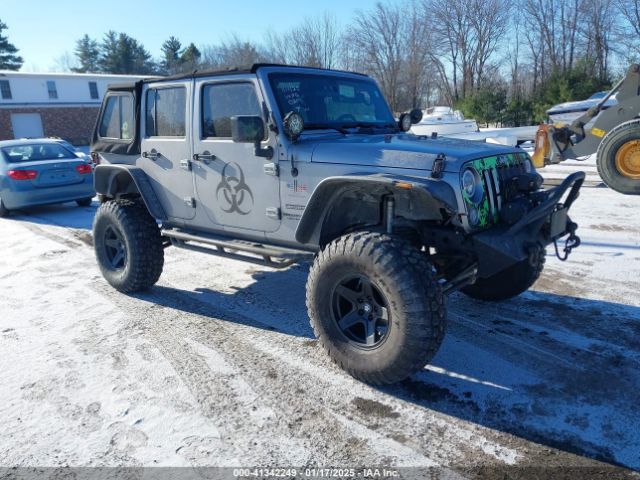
(44, 29)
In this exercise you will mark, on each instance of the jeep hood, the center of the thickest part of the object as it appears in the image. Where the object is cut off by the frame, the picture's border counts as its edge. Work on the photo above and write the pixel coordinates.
(396, 151)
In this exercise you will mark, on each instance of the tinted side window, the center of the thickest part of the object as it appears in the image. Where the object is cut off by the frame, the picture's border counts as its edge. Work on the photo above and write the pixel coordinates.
(166, 112)
(117, 118)
(223, 101)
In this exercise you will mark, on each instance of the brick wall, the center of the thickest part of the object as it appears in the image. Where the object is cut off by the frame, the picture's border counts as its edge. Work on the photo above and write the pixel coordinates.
(74, 124)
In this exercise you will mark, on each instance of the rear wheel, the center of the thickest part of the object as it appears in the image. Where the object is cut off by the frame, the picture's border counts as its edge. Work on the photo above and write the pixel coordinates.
(128, 245)
(618, 158)
(4, 212)
(84, 202)
(508, 283)
(375, 306)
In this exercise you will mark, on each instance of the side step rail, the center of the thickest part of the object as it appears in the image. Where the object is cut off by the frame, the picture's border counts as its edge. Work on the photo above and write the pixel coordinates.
(246, 251)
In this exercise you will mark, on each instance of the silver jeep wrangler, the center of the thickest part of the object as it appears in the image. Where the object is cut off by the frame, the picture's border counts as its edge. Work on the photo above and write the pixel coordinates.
(277, 164)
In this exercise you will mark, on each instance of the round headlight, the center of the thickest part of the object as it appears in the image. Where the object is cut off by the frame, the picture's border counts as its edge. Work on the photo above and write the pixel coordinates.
(472, 185)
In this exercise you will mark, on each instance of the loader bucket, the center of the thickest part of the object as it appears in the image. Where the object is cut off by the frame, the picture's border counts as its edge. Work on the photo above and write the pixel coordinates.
(543, 146)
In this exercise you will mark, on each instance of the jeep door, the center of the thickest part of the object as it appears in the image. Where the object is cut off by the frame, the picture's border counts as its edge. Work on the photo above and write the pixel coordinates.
(235, 187)
(166, 145)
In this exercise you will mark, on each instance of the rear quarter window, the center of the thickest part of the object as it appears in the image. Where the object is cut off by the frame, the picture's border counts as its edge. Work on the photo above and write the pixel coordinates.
(117, 121)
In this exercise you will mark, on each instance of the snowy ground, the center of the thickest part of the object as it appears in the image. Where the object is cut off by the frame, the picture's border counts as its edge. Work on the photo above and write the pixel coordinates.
(217, 366)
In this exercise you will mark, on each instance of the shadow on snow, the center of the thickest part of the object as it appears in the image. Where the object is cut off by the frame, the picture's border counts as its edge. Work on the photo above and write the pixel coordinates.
(555, 370)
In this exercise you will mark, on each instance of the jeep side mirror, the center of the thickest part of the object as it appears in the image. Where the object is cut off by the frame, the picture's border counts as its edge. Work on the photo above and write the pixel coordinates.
(250, 129)
(405, 122)
(247, 129)
(415, 115)
(409, 118)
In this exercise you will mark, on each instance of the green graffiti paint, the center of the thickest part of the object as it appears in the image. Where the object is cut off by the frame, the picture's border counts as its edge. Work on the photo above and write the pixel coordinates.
(486, 217)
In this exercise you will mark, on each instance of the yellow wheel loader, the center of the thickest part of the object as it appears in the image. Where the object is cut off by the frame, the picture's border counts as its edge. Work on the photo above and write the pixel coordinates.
(614, 135)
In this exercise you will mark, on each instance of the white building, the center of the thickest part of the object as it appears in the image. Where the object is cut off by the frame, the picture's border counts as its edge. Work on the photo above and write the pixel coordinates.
(61, 105)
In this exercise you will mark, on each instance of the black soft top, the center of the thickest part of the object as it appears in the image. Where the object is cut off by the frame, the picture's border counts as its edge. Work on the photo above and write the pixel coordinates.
(132, 147)
(221, 72)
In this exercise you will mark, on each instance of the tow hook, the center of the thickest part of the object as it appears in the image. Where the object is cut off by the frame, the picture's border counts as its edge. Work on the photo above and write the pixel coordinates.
(570, 243)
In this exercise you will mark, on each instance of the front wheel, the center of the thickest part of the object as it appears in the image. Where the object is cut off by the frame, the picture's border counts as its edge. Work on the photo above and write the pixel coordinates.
(375, 306)
(508, 283)
(618, 158)
(128, 245)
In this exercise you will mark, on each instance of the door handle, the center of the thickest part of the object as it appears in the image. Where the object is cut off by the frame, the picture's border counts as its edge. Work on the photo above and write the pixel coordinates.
(153, 154)
(204, 156)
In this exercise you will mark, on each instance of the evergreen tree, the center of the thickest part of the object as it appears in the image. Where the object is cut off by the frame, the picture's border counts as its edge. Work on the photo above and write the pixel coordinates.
(123, 54)
(190, 58)
(88, 55)
(171, 61)
(9, 60)
(109, 60)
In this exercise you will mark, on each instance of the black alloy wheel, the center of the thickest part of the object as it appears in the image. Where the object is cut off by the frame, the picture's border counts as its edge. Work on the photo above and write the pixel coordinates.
(361, 311)
(115, 248)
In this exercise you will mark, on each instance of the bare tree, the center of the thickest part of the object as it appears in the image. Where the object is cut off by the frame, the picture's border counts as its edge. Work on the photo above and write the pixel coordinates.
(64, 63)
(466, 36)
(314, 43)
(553, 27)
(231, 53)
(418, 84)
(378, 35)
(452, 36)
(489, 20)
(277, 47)
(599, 31)
(629, 32)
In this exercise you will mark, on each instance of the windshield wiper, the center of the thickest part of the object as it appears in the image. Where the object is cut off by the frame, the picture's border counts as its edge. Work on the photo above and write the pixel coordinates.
(325, 126)
(368, 125)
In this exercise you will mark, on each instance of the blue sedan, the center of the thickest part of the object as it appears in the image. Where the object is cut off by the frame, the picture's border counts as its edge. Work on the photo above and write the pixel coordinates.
(41, 172)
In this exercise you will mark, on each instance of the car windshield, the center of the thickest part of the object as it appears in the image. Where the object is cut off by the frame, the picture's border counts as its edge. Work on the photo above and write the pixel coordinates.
(326, 101)
(33, 152)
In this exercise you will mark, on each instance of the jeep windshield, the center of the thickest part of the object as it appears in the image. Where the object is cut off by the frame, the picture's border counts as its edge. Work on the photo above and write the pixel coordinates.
(332, 102)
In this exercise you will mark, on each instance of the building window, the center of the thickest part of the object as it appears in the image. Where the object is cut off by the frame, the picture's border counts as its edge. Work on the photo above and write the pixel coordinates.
(93, 90)
(5, 90)
(166, 112)
(51, 87)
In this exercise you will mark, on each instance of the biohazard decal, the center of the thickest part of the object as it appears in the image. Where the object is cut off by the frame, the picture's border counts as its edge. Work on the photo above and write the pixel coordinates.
(233, 194)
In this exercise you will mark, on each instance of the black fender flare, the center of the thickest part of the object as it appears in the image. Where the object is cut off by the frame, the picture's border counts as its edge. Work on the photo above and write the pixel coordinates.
(430, 193)
(117, 180)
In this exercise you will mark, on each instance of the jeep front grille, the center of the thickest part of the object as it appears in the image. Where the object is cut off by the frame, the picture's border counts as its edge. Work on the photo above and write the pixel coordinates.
(496, 173)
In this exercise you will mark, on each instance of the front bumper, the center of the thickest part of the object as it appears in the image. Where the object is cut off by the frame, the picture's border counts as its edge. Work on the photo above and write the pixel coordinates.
(502, 246)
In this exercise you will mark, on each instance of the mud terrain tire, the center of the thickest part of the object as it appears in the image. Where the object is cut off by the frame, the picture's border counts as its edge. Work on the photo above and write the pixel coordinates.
(508, 283)
(403, 284)
(128, 245)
